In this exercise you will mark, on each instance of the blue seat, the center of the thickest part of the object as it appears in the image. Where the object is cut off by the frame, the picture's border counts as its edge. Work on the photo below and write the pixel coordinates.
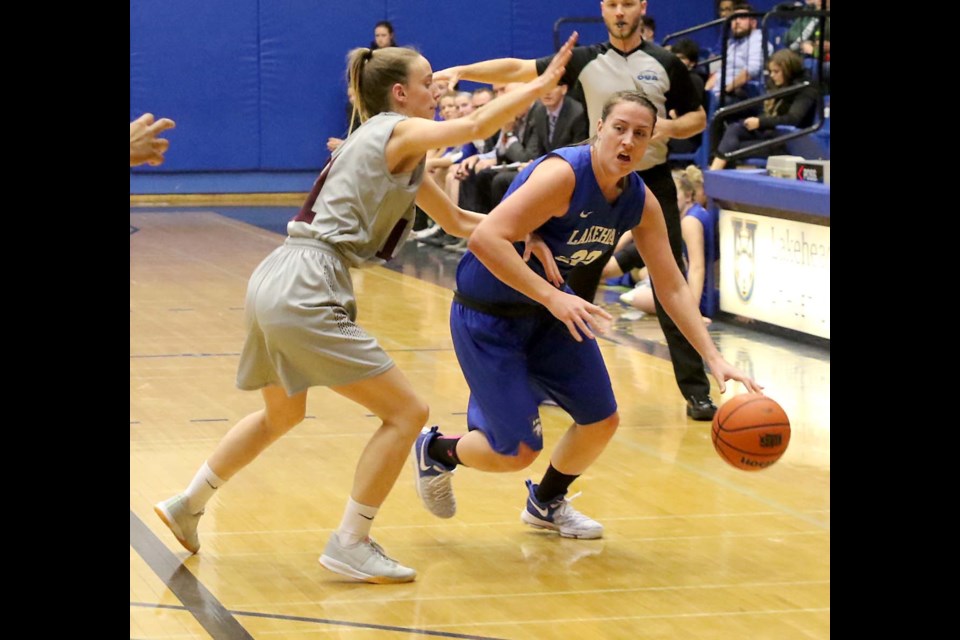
(700, 157)
(813, 146)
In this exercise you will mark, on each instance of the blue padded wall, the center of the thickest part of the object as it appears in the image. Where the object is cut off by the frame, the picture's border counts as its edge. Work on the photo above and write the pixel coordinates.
(303, 100)
(197, 62)
(257, 85)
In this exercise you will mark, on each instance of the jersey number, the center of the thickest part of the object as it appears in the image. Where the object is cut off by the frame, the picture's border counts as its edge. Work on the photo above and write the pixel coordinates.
(584, 257)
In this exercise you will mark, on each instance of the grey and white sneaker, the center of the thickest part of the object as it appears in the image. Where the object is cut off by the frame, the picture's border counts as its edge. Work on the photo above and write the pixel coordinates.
(175, 513)
(366, 561)
(434, 479)
(557, 515)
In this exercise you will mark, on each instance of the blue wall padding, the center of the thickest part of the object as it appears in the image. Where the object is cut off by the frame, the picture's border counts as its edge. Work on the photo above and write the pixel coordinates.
(197, 62)
(303, 100)
(258, 85)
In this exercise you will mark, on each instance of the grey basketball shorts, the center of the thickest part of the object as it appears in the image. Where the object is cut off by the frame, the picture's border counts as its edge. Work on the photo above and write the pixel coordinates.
(300, 315)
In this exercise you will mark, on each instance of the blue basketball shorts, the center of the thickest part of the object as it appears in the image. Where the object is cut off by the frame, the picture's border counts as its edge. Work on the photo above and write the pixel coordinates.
(512, 364)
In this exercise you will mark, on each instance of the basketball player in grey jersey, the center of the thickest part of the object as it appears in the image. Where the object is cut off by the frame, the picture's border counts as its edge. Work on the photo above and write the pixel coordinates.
(300, 309)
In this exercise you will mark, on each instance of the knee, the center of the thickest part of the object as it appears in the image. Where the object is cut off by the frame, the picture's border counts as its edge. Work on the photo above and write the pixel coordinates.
(415, 413)
(731, 138)
(605, 429)
(285, 419)
(524, 458)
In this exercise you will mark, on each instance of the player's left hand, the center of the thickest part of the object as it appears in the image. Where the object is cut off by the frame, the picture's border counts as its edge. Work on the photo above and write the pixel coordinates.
(535, 246)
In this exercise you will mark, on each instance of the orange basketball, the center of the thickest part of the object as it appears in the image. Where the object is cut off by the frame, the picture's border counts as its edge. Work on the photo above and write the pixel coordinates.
(750, 431)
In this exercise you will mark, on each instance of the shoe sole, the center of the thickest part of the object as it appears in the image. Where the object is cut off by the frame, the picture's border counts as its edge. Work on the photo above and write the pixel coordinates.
(536, 523)
(174, 528)
(416, 483)
(342, 569)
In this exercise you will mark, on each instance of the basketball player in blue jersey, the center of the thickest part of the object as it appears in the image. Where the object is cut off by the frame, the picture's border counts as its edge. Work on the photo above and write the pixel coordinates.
(300, 307)
(520, 338)
(627, 61)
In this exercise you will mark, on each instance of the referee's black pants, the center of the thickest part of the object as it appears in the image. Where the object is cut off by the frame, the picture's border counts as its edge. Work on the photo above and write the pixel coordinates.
(584, 279)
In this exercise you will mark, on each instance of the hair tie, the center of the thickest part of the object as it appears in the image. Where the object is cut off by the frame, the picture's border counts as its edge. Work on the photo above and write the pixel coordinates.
(368, 55)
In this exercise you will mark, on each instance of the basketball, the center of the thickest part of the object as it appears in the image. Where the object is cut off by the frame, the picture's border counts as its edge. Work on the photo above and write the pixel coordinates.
(750, 431)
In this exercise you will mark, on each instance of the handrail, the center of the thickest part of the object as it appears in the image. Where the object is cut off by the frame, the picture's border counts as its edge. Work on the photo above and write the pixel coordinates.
(745, 104)
(556, 27)
(725, 111)
(683, 32)
(699, 27)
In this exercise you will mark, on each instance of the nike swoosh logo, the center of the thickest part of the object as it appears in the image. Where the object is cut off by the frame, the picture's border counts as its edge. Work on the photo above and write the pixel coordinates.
(363, 516)
(542, 512)
(584, 214)
(210, 485)
(423, 454)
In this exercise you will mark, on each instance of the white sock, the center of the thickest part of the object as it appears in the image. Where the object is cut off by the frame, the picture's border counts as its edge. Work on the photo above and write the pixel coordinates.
(202, 488)
(356, 523)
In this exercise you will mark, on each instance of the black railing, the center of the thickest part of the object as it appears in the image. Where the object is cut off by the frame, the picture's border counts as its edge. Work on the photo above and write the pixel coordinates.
(722, 112)
(556, 27)
(725, 111)
(694, 29)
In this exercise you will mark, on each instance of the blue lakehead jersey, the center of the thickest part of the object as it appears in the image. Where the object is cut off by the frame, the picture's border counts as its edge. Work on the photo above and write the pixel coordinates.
(588, 230)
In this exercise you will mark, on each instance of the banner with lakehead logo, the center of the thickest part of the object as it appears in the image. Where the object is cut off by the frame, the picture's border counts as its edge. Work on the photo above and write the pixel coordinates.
(776, 271)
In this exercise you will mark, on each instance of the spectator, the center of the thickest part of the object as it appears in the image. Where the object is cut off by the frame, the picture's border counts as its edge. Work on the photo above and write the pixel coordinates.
(803, 36)
(701, 250)
(796, 109)
(648, 29)
(744, 58)
(689, 54)
(383, 35)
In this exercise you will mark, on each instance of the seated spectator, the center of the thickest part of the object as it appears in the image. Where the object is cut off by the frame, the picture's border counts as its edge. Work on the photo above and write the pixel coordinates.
(383, 35)
(464, 104)
(803, 36)
(558, 121)
(688, 53)
(701, 250)
(440, 88)
(744, 58)
(797, 109)
(439, 160)
(648, 29)
(564, 122)
(724, 9)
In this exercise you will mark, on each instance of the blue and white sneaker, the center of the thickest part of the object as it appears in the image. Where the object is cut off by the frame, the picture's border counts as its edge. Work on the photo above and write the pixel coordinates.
(557, 515)
(433, 478)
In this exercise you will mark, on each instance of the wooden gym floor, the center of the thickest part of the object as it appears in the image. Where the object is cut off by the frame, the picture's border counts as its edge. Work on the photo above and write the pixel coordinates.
(693, 548)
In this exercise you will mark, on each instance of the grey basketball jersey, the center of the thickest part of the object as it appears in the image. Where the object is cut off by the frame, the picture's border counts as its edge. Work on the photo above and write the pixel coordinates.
(356, 205)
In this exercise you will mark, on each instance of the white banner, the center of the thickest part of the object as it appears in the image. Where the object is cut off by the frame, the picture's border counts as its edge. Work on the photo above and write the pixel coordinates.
(775, 271)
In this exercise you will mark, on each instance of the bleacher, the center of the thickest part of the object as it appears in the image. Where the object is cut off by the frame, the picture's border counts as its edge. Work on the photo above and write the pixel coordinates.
(815, 144)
